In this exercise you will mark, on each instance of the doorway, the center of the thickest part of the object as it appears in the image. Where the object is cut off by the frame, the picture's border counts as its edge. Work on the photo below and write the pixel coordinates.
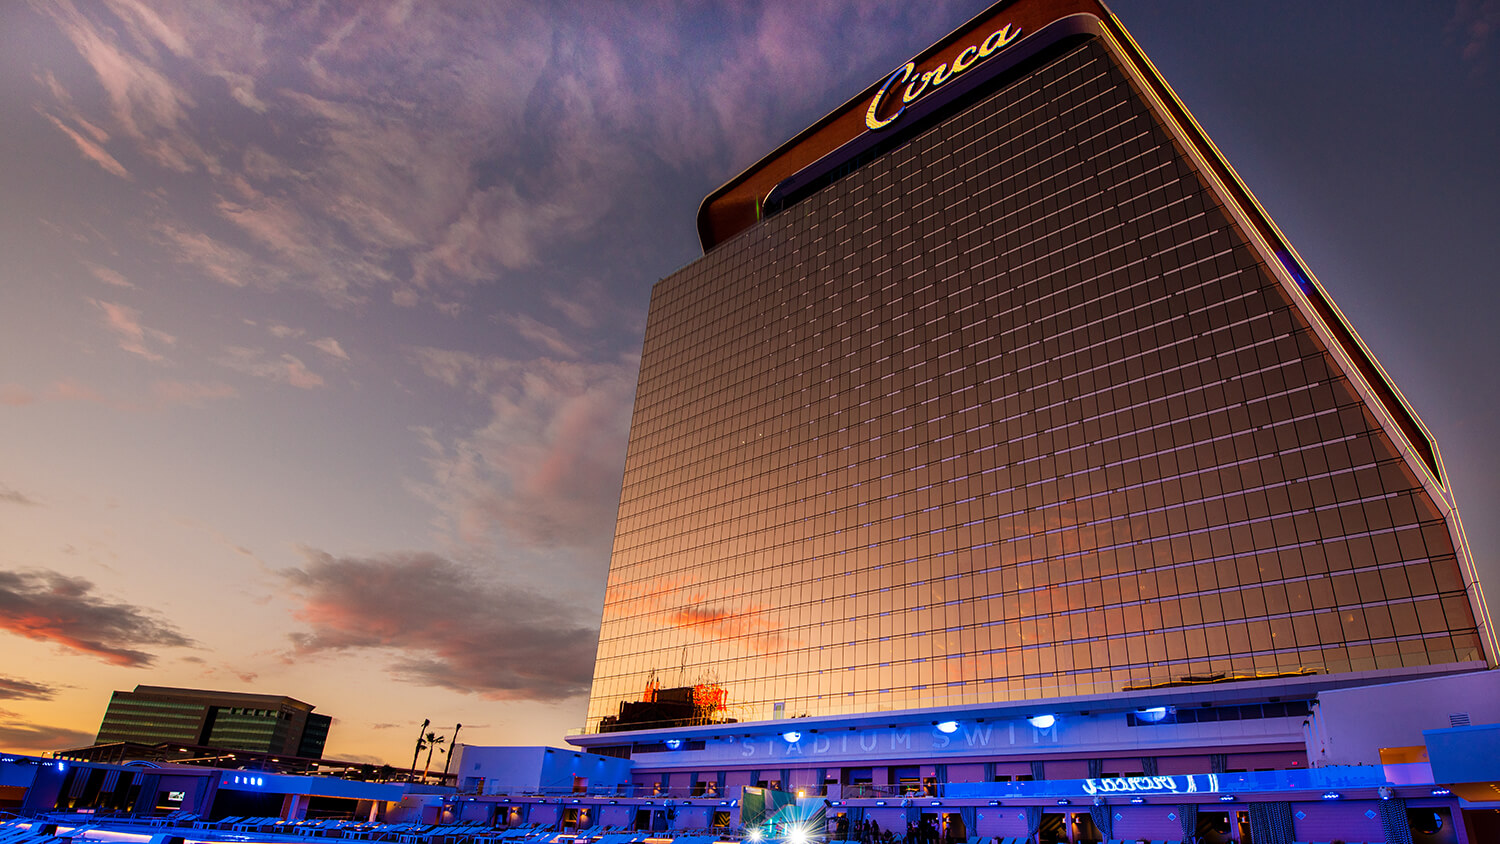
(1213, 828)
(1433, 826)
(1054, 829)
(1084, 829)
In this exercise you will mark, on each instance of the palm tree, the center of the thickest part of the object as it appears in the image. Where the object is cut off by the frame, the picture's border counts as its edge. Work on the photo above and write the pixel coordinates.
(452, 749)
(432, 740)
(420, 738)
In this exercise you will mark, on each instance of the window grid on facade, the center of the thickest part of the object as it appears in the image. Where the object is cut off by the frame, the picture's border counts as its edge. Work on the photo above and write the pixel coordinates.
(1010, 412)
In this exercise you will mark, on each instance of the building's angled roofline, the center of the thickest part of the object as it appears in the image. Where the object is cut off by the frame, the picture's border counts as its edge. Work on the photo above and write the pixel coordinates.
(737, 205)
(212, 696)
(720, 214)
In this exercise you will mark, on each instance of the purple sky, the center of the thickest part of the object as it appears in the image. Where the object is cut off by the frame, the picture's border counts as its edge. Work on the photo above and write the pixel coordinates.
(319, 326)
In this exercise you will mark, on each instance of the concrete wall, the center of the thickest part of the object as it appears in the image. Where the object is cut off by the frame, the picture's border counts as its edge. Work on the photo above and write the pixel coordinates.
(1465, 754)
(531, 770)
(1351, 725)
(20, 772)
(1329, 819)
(1156, 822)
(559, 767)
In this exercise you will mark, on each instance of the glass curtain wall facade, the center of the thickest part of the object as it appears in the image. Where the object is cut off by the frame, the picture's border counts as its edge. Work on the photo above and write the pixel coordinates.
(1012, 410)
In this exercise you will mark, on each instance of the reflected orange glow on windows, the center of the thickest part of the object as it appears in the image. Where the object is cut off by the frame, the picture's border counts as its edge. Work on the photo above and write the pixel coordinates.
(1010, 412)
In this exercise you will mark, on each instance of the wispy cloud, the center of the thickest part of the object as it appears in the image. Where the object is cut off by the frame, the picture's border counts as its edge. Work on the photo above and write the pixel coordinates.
(144, 102)
(52, 607)
(159, 394)
(1476, 23)
(27, 736)
(108, 276)
(242, 89)
(546, 467)
(134, 337)
(222, 262)
(193, 393)
(330, 347)
(436, 153)
(286, 368)
(90, 149)
(15, 689)
(540, 333)
(65, 390)
(443, 625)
(14, 395)
(576, 307)
(11, 496)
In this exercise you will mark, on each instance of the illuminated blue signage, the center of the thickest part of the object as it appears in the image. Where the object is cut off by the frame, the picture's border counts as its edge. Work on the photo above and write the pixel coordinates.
(1187, 784)
(1137, 789)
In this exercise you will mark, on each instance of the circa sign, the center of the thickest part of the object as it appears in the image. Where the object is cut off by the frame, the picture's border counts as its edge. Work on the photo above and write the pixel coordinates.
(933, 79)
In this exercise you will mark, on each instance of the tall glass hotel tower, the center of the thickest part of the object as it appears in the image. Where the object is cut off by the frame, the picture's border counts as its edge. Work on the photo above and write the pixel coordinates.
(997, 386)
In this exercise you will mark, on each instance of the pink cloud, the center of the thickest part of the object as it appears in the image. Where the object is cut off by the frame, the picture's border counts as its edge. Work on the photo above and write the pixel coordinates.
(545, 469)
(540, 333)
(108, 276)
(1476, 22)
(91, 150)
(436, 151)
(222, 262)
(52, 607)
(161, 394)
(134, 337)
(191, 392)
(145, 104)
(286, 369)
(15, 395)
(443, 625)
(330, 347)
(749, 626)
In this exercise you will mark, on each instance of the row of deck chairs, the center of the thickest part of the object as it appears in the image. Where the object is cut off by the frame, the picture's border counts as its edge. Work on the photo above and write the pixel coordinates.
(277, 826)
(177, 818)
(25, 831)
(395, 833)
(39, 830)
(325, 828)
(594, 835)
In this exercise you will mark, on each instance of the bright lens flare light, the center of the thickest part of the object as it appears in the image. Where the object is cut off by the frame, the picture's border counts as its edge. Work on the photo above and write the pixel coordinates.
(947, 726)
(798, 834)
(1042, 722)
(754, 834)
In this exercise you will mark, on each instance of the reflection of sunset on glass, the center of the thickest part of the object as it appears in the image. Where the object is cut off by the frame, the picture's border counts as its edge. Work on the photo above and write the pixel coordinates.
(750, 628)
(321, 344)
(1021, 398)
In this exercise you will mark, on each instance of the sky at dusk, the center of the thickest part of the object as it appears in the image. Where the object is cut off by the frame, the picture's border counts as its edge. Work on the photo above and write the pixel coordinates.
(320, 322)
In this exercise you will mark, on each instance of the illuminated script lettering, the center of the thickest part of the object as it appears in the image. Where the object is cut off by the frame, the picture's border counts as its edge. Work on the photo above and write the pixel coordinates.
(881, 115)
